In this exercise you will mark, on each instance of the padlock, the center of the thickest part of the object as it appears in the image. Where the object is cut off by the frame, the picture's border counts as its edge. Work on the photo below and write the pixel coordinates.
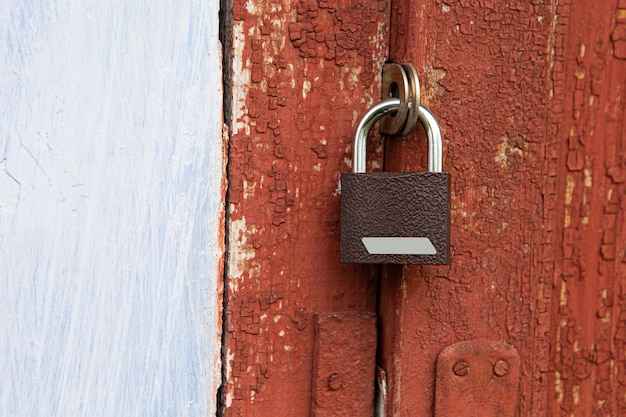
(396, 217)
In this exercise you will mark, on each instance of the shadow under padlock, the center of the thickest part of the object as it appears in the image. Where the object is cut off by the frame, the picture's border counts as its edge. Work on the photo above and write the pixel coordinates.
(396, 217)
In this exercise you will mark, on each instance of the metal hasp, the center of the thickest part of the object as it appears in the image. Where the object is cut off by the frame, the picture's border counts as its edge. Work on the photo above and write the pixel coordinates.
(344, 365)
(478, 378)
(400, 81)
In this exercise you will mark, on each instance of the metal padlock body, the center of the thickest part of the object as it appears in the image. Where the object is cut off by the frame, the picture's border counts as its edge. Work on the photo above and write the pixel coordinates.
(396, 217)
(392, 205)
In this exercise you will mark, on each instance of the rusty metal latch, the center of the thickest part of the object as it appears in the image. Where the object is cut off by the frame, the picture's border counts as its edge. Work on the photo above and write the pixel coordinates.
(344, 365)
(478, 378)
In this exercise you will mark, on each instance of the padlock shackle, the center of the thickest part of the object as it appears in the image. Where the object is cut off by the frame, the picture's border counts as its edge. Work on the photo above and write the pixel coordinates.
(435, 144)
(388, 106)
(373, 115)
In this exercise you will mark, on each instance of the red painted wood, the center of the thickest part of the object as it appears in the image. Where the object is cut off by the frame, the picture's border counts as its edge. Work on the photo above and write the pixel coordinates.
(304, 72)
(588, 334)
(484, 68)
(530, 96)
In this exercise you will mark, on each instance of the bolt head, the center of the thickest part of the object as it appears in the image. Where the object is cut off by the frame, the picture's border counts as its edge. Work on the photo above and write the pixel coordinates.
(461, 368)
(335, 382)
(501, 368)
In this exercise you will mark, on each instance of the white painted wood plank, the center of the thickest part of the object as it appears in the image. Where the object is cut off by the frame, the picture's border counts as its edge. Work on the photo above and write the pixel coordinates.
(110, 207)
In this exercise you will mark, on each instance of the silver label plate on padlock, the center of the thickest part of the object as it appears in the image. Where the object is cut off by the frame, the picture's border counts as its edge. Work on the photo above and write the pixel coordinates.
(399, 245)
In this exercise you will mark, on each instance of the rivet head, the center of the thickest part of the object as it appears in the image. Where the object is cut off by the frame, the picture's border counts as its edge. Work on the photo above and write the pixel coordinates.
(335, 382)
(461, 368)
(501, 368)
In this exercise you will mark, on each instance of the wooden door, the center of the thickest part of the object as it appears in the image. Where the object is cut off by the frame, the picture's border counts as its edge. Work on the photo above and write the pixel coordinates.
(530, 97)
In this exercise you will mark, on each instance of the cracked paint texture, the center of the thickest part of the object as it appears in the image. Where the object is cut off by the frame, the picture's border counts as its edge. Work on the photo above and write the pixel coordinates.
(304, 72)
(530, 98)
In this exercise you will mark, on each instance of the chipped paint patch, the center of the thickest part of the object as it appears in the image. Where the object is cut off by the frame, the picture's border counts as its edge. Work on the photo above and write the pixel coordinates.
(228, 369)
(569, 189)
(588, 181)
(505, 150)
(558, 387)
(576, 393)
(563, 294)
(306, 87)
(240, 253)
(248, 189)
(338, 188)
(253, 9)
(434, 89)
(241, 80)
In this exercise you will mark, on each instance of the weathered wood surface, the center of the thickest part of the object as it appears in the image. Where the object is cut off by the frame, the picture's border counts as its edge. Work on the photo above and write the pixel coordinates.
(530, 96)
(110, 208)
(303, 74)
(588, 333)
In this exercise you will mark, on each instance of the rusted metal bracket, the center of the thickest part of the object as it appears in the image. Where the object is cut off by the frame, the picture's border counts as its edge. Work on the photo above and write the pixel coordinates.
(478, 378)
(344, 365)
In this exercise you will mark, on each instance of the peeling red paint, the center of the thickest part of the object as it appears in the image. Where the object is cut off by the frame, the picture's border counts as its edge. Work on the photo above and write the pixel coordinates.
(484, 71)
(588, 321)
(304, 71)
(530, 98)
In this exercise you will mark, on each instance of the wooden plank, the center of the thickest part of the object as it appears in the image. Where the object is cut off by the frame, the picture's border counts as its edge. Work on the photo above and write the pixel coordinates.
(485, 74)
(530, 98)
(303, 73)
(111, 208)
(588, 361)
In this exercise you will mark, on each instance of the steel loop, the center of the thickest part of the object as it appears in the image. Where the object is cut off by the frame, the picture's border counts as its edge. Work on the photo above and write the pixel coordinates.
(426, 118)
